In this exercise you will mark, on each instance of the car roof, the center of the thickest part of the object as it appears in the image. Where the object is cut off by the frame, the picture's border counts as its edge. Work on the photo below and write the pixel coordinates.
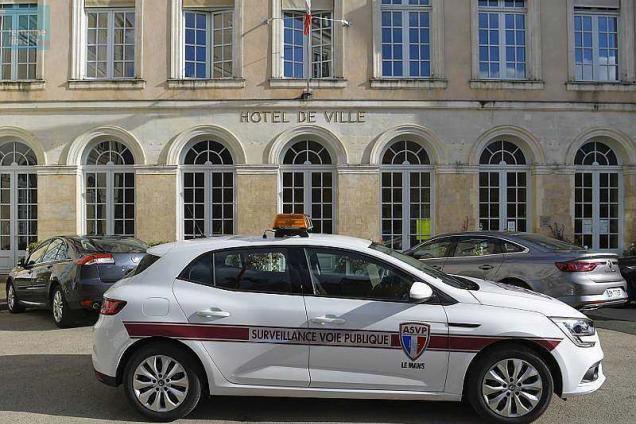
(218, 243)
(483, 233)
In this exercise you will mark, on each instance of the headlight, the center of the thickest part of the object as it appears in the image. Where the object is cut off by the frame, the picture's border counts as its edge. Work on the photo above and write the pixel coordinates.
(575, 328)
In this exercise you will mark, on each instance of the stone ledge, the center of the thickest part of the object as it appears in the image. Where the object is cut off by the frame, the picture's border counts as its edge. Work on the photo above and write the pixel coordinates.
(206, 83)
(123, 84)
(400, 83)
(600, 86)
(22, 85)
(302, 83)
(506, 85)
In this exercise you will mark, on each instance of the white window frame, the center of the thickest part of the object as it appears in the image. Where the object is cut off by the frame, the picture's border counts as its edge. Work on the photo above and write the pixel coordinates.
(437, 79)
(39, 55)
(277, 40)
(210, 42)
(207, 170)
(79, 36)
(177, 50)
(596, 171)
(626, 48)
(110, 43)
(307, 49)
(406, 171)
(533, 79)
(596, 62)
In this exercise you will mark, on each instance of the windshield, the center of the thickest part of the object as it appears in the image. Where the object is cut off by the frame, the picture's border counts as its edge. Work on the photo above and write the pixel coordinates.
(549, 243)
(419, 265)
(114, 245)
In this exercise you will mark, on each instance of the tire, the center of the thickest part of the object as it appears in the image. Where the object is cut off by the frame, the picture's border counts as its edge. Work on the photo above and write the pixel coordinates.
(62, 314)
(538, 377)
(163, 405)
(13, 303)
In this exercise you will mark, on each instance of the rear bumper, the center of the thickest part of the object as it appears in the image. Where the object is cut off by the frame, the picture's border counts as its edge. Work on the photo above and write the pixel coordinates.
(106, 379)
(589, 294)
(88, 294)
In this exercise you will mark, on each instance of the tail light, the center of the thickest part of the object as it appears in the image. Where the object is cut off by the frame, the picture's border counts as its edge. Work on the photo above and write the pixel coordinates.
(576, 266)
(112, 306)
(96, 258)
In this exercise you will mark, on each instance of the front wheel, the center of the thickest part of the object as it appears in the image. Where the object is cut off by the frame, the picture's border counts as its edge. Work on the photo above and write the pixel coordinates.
(13, 304)
(162, 382)
(510, 386)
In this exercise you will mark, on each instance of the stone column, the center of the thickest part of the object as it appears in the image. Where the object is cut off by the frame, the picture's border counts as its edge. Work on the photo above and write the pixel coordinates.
(630, 209)
(358, 207)
(155, 205)
(256, 197)
(57, 204)
(456, 202)
(554, 200)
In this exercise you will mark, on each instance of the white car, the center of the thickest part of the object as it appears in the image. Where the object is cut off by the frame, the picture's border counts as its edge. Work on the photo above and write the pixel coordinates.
(337, 317)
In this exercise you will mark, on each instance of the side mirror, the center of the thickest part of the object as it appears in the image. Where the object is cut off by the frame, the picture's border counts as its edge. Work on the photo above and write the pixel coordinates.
(420, 292)
(22, 262)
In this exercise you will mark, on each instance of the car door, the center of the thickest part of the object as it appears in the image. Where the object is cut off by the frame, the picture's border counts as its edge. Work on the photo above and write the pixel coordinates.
(363, 320)
(434, 252)
(247, 307)
(25, 277)
(475, 256)
(43, 269)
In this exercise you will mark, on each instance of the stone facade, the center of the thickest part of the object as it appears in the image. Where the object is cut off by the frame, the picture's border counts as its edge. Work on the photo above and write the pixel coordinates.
(356, 117)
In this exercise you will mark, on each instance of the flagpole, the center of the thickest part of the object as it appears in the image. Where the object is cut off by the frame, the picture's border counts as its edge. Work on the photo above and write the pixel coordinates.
(307, 33)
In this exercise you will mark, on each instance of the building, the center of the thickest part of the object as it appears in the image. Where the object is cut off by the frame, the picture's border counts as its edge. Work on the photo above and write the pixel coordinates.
(172, 119)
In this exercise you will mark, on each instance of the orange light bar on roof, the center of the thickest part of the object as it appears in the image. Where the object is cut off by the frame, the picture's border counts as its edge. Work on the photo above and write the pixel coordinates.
(292, 221)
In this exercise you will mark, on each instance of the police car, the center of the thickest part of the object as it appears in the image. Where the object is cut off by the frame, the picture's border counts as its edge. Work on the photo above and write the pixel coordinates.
(309, 315)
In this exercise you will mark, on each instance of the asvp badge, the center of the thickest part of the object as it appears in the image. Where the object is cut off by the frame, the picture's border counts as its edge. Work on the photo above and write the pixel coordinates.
(414, 337)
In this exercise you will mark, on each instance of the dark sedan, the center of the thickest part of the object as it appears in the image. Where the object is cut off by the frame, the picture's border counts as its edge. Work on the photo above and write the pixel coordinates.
(69, 274)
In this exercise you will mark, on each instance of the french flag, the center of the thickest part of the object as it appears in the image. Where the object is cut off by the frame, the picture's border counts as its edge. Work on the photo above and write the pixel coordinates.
(307, 20)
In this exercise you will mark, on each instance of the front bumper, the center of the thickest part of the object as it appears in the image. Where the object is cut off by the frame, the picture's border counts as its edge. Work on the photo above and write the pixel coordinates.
(575, 362)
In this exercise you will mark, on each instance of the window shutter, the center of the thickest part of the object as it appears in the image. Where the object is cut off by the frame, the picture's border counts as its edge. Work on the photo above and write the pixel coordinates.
(207, 3)
(316, 5)
(109, 3)
(605, 4)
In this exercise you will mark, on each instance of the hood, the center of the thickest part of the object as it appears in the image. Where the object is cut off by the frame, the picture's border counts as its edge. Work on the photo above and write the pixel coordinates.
(505, 296)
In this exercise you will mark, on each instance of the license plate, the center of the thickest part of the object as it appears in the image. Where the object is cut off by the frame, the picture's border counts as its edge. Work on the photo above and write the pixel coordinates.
(614, 293)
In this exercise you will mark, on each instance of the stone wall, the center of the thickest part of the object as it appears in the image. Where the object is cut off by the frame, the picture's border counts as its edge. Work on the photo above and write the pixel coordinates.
(57, 205)
(156, 207)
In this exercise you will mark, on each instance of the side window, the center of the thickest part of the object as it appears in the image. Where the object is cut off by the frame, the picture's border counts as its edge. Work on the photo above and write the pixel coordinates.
(345, 274)
(51, 252)
(198, 271)
(435, 249)
(512, 247)
(36, 256)
(63, 253)
(476, 246)
(254, 270)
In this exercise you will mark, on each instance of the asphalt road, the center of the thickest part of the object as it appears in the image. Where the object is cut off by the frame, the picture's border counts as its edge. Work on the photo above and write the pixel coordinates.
(46, 377)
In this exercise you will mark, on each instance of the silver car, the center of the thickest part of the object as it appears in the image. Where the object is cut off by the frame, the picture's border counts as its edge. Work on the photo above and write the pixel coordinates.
(578, 277)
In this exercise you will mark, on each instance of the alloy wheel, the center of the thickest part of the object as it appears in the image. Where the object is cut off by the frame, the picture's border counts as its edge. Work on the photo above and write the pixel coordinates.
(11, 298)
(58, 306)
(160, 383)
(512, 388)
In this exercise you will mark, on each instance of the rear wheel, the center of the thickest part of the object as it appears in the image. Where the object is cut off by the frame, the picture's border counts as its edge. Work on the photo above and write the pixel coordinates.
(13, 304)
(510, 385)
(163, 382)
(62, 314)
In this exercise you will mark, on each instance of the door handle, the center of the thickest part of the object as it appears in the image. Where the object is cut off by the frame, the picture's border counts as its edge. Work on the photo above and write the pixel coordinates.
(212, 313)
(328, 319)
(437, 267)
(486, 267)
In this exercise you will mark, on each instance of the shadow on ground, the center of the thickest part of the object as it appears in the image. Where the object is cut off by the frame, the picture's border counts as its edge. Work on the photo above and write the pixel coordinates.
(622, 319)
(37, 320)
(64, 386)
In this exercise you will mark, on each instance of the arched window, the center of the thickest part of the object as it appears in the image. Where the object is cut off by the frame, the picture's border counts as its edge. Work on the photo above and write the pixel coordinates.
(503, 188)
(308, 178)
(18, 202)
(597, 197)
(208, 190)
(406, 184)
(110, 189)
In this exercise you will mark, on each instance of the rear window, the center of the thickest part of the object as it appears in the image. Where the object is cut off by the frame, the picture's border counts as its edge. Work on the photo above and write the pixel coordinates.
(145, 263)
(549, 243)
(124, 245)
